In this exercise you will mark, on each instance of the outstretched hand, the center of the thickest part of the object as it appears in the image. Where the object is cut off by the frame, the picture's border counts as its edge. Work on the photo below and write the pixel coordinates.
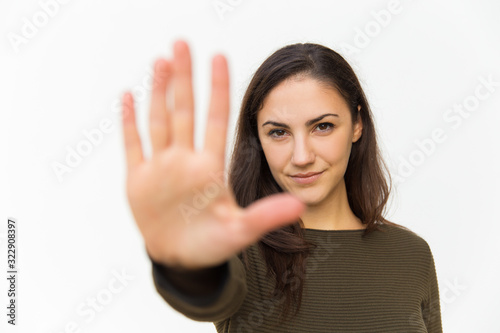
(178, 197)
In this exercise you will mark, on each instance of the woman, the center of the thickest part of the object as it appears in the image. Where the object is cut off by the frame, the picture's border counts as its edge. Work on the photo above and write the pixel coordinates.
(296, 242)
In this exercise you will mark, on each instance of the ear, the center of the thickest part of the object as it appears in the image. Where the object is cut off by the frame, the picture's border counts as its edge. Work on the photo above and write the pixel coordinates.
(357, 127)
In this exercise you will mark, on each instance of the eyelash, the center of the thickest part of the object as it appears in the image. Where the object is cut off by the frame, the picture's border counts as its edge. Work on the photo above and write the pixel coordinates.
(273, 131)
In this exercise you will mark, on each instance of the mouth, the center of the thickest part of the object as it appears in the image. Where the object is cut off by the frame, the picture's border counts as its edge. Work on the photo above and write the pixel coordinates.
(306, 178)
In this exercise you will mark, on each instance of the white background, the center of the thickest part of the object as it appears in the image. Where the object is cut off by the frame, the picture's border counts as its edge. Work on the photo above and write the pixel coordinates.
(67, 76)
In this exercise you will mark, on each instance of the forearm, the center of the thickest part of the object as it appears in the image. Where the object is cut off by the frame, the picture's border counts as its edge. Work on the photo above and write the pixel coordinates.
(210, 294)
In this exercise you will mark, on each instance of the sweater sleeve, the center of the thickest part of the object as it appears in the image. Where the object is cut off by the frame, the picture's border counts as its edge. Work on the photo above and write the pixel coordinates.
(431, 309)
(211, 294)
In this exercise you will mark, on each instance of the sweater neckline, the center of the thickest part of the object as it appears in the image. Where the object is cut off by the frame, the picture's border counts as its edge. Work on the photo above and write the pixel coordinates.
(308, 230)
(337, 235)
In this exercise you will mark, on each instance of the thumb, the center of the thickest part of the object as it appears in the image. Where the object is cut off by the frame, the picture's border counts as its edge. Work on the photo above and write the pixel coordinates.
(272, 213)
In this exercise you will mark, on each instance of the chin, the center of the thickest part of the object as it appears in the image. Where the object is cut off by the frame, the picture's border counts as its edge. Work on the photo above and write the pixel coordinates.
(309, 196)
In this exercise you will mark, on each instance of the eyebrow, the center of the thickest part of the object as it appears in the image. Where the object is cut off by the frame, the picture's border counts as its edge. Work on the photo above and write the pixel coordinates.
(308, 123)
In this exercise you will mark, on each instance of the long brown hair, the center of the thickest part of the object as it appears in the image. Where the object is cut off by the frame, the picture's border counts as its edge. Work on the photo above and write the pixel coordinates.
(285, 250)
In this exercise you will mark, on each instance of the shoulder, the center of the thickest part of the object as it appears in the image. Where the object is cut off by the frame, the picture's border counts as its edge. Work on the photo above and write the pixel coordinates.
(402, 236)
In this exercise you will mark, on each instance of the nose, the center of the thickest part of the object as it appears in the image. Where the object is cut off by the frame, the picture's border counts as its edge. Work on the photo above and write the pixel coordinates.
(302, 154)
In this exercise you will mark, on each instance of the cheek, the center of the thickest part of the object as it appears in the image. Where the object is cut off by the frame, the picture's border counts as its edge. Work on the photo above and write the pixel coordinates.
(276, 156)
(334, 151)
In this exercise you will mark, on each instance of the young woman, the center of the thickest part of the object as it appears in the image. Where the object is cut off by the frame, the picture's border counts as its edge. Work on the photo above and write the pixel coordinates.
(296, 242)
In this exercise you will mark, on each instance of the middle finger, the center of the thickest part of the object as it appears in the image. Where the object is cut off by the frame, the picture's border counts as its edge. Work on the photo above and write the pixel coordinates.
(183, 115)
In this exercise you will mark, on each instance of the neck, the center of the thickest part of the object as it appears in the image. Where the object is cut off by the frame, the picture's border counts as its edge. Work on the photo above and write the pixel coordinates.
(333, 213)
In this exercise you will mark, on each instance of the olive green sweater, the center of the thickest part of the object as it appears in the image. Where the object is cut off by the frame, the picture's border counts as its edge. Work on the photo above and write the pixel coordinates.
(383, 282)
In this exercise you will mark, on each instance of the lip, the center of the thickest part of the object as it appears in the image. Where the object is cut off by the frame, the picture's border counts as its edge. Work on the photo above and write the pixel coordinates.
(306, 178)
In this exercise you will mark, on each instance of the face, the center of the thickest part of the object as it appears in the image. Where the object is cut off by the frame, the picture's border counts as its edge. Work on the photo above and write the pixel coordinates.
(306, 132)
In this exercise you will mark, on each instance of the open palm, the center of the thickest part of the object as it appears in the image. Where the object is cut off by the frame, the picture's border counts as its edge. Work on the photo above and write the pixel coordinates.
(186, 214)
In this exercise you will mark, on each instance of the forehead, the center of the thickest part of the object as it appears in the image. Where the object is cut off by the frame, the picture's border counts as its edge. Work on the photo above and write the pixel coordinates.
(302, 98)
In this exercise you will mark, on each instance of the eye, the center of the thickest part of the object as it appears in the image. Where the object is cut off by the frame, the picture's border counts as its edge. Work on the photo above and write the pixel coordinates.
(324, 127)
(277, 133)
